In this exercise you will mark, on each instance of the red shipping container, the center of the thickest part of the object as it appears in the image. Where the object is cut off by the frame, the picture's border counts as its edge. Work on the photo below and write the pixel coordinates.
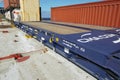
(104, 13)
(11, 3)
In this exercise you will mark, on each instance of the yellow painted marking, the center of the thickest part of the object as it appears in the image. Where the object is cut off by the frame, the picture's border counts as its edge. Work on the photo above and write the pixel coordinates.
(28, 36)
(50, 40)
(57, 39)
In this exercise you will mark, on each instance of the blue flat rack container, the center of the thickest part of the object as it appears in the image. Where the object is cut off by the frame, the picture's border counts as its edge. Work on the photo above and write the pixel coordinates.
(96, 51)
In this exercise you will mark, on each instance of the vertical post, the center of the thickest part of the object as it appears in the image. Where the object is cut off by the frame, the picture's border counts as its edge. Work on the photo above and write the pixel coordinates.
(11, 13)
(40, 14)
(10, 9)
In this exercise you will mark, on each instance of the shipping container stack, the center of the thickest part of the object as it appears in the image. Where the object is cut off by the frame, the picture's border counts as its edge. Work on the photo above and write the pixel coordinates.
(21, 10)
(9, 6)
(104, 13)
(11, 3)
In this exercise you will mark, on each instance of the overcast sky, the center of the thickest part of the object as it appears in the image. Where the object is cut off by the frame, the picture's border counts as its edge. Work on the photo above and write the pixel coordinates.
(47, 4)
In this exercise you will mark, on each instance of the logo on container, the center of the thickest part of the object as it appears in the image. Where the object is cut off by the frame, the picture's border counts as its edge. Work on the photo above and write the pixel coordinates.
(86, 38)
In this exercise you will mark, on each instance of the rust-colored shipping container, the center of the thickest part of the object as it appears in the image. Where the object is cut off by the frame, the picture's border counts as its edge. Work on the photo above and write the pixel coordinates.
(11, 3)
(105, 13)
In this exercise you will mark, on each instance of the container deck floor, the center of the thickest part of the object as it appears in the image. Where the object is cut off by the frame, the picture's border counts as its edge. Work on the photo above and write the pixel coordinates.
(65, 28)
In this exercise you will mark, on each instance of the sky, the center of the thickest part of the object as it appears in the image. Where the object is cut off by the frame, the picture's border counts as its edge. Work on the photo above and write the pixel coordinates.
(47, 4)
(1, 3)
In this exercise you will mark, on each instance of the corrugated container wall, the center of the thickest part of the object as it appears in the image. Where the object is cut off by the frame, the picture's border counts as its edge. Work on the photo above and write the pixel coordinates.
(11, 3)
(30, 10)
(106, 13)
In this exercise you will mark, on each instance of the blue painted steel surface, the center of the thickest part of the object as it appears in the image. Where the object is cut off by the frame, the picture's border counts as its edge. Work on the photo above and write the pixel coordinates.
(99, 47)
(97, 51)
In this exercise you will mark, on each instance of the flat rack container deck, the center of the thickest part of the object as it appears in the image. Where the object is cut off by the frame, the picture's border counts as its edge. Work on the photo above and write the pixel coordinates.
(59, 28)
(88, 47)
